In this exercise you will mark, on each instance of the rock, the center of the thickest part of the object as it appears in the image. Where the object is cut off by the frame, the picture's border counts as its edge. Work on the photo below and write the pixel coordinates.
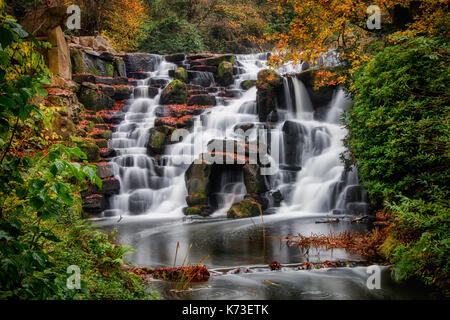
(247, 84)
(101, 143)
(181, 74)
(84, 77)
(156, 142)
(275, 265)
(41, 21)
(110, 186)
(225, 74)
(269, 87)
(101, 44)
(108, 153)
(245, 209)
(138, 62)
(231, 93)
(91, 150)
(87, 41)
(59, 55)
(94, 99)
(63, 126)
(107, 56)
(175, 57)
(94, 204)
(218, 59)
(294, 137)
(204, 68)
(159, 82)
(101, 134)
(197, 178)
(174, 93)
(120, 68)
(358, 208)
(255, 183)
(196, 200)
(320, 98)
(273, 116)
(200, 210)
(202, 100)
(122, 92)
(152, 92)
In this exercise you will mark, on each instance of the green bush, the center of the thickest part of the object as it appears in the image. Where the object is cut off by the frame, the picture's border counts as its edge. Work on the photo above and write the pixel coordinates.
(170, 35)
(399, 129)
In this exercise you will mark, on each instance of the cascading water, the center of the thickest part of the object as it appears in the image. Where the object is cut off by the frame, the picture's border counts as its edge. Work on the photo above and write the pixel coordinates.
(311, 176)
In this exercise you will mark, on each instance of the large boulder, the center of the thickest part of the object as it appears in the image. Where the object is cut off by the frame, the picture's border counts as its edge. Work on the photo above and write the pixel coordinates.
(40, 21)
(269, 86)
(294, 138)
(174, 93)
(245, 209)
(175, 57)
(197, 178)
(59, 56)
(225, 74)
(94, 204)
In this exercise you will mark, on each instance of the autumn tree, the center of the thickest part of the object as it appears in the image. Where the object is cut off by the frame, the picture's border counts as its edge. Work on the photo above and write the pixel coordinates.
(321, 25)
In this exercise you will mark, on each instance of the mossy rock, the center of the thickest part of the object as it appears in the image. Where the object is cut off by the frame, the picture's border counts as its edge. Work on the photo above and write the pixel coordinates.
(77, 59)
(93, 99)
(197, 178)
(91, 150)
(181, 74)
(247, 84)
(63, 126)
(269, 79)
(174, 93)
(245, 209)
(225, 74)
(196, 199)
(122, 92)
(199, 210)
(156, 141)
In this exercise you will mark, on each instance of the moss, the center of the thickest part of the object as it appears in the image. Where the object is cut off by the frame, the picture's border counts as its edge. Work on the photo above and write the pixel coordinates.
(269, 79)
(109, 69)
(156, 141)
(181, 74)
(76, 57)
(247, 84)
(225, 73)
(245, 209)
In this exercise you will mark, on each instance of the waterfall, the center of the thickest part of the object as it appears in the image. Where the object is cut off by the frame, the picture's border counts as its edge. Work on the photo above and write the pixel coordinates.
(304, 109)
(311, 176)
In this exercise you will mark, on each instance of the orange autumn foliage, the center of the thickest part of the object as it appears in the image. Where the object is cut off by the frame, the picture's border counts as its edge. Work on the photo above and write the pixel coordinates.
(321, 25)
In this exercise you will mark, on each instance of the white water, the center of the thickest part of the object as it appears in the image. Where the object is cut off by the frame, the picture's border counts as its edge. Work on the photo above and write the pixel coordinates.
(156, 186)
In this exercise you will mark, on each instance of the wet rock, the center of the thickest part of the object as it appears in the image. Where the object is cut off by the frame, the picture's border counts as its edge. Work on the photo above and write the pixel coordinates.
(196, 200)
(152, 92)
(114, 117)
(138, 62)
(101, 134)
(294, 133)
(240, 270)
(225, 74)
(84, 77)
(255, 183)
(273, 116)
(275, 265)
(269, 87)
(202, 100)
(174, 93)
(156, 141)
(245, 209)
(247, 84)
(231, 93)
(197, 178)
(199, 210)
(216, 60)
(122, 92)
(181, 74)
(94, 204)
(175, 57)
(204, 68)
(110, 186)
(108, 153)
